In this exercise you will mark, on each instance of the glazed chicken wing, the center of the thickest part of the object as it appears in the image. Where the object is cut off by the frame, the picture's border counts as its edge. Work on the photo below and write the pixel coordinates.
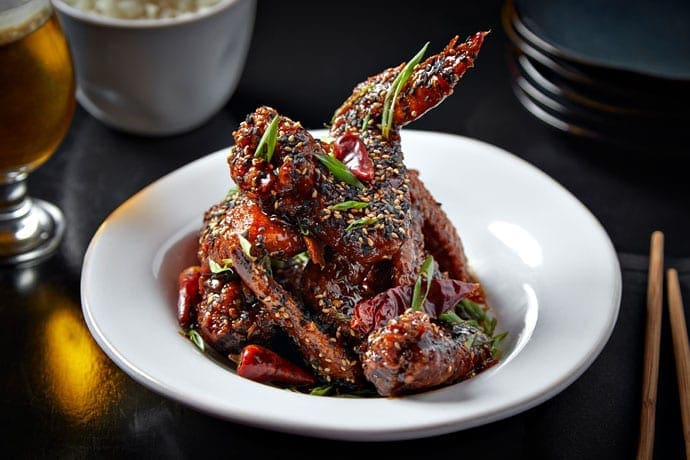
(337, 245)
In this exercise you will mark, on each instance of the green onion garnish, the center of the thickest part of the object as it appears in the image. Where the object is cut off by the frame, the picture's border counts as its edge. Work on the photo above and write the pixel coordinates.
(474, 312)
(427, 270)
(339, 170)
(394, 90)
(196, 339)
(302, 258)
(321, 391)
(218, 268)
(450, 316)
(361, 223)
(345, 205)
(495, 342)
(232, 192)
(246, 247)
(303, 230)
(365, 122)
(267, 143)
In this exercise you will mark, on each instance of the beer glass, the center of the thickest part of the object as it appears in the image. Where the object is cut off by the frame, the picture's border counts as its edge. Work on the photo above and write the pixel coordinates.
(37, 100)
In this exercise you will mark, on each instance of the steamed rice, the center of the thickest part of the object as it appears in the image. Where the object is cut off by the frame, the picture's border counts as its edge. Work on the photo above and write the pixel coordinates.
(142, 9)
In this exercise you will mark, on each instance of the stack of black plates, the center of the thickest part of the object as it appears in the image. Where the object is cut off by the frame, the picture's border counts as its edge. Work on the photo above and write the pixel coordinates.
(617, 71)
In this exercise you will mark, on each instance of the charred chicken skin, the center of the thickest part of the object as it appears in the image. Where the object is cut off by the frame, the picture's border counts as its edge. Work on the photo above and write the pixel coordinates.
(324, 236)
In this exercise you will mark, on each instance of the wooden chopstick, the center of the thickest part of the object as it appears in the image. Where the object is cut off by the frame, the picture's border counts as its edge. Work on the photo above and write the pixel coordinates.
(655, 283)
(681, 350)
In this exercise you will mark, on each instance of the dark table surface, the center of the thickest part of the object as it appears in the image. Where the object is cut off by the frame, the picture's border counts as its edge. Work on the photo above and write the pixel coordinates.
(61, 397)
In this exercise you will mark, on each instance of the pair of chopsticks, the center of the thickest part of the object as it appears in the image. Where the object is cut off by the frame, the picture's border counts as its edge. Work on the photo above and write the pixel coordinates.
(655, 283)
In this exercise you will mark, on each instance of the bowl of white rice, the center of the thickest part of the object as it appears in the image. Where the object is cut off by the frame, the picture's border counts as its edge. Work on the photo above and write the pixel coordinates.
(142, 9)
(156, 67)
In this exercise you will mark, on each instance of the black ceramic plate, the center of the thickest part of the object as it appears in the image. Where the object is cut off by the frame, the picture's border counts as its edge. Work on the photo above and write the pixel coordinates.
(563, 69)
(569, 71)
(619, 88)
(622, 131)
(644, 37)
(565, 109)
(596, 102)
(557, 122)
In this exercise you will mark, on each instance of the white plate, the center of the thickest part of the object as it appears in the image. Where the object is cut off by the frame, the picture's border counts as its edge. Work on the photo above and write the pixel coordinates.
(550, 270)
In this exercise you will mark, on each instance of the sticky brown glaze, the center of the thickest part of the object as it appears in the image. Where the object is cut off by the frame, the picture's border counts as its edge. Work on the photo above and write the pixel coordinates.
(409, 259)
(410, 353)
(285, 205)
(327, 356)
(291, 175)
(229, 316)
(332, 290)
(238, 214)
(301, 190)
(432, 80)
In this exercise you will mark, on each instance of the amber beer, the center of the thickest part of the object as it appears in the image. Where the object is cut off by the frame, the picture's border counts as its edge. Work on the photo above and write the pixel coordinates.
(36, 86)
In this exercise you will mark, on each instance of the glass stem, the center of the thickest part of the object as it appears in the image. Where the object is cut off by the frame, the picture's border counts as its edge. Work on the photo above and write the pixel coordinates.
(22, 225)
(14, 202)
(30, 229)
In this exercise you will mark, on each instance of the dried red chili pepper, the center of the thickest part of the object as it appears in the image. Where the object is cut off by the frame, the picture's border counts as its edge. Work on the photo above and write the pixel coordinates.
(443, 295)
(350, 149)
(263, 365)
(187, 294)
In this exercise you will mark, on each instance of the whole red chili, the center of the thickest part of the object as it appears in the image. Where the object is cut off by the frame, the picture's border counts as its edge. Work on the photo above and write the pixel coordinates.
(263, 365)
(350, 149)
(187, 294)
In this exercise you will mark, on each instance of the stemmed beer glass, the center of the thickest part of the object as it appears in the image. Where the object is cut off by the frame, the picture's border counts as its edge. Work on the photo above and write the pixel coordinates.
(37, 100)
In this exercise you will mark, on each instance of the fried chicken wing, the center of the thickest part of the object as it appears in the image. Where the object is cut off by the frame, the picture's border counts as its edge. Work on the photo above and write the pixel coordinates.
(327, 357)
(410, 353)
(327, 236)
(298, 187)
(431, 81)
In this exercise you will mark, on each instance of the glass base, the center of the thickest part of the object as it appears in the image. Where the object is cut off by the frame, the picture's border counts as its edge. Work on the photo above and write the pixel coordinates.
(32, 234)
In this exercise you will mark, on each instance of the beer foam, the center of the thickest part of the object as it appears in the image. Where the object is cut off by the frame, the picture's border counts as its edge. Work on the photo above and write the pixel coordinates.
(21, 20)
(142, 9)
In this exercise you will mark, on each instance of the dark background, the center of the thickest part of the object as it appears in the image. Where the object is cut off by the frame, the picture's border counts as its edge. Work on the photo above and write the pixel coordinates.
(305, 57)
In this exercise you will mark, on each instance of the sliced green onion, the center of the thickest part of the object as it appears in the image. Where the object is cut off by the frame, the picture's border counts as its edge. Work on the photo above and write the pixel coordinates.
(218, 268)
(474, 312)
(394, 90)
(246, 247)
(277, 263)
(495, 342)
(365, 122)
(345, 205)
(232, 192)
(196, 339)
(302, 258)
(427, 271)
(339, 170)
(267, 143)
(450, 316)
(321, 391)
(361, 223)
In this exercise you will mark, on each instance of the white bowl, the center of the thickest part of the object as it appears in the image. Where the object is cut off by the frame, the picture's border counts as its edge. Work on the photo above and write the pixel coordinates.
(158, 76)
